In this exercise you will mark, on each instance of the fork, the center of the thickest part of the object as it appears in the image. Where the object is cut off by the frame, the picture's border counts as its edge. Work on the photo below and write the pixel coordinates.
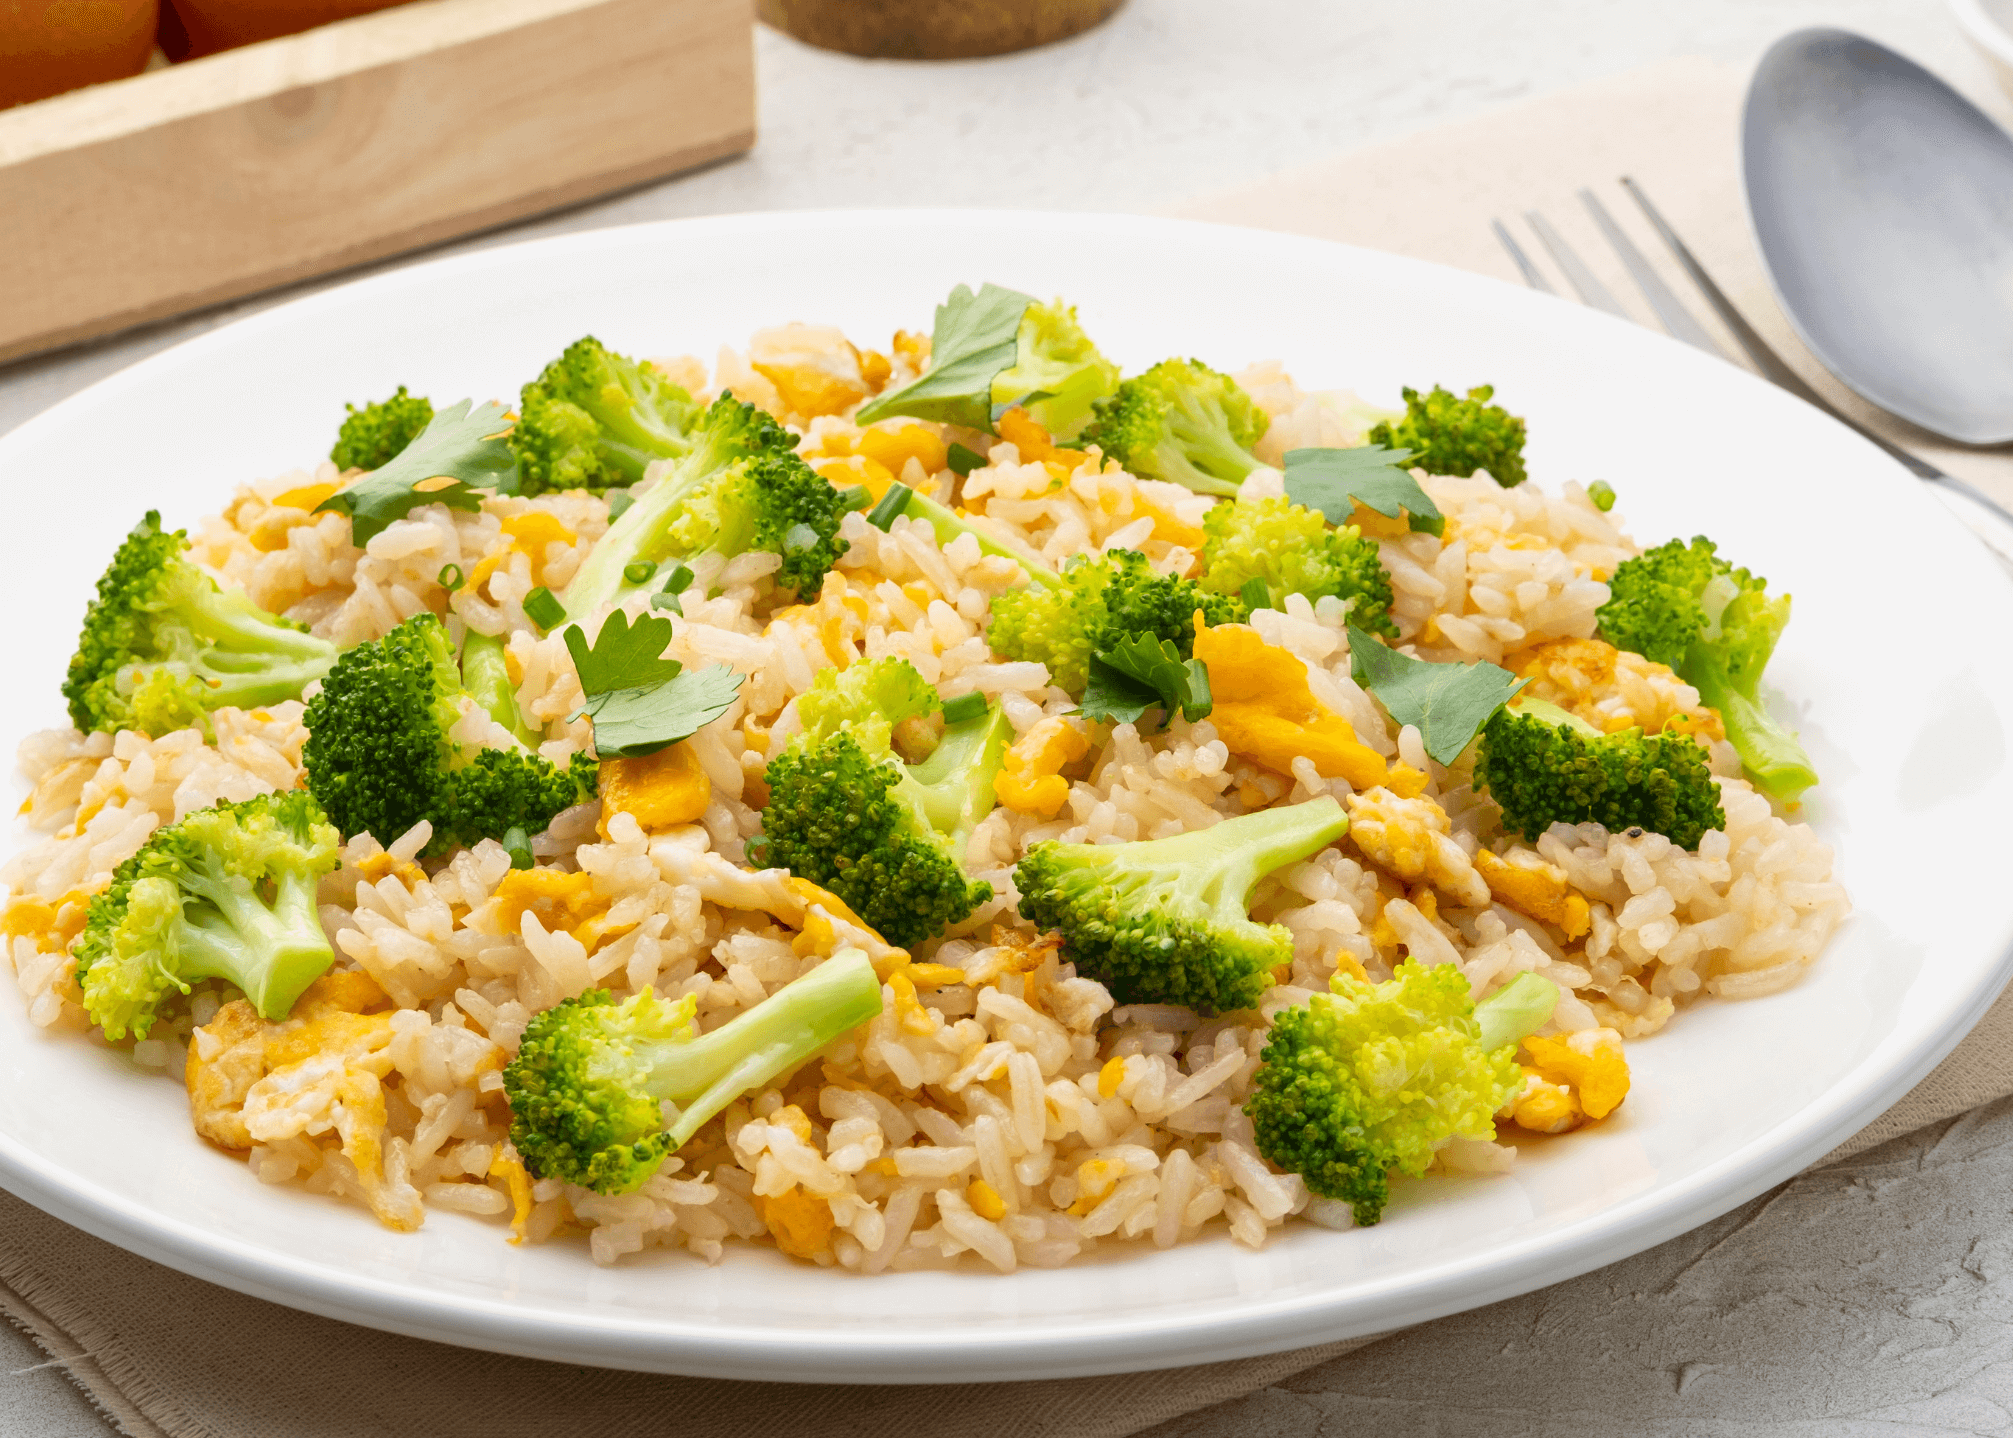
(1681, 325)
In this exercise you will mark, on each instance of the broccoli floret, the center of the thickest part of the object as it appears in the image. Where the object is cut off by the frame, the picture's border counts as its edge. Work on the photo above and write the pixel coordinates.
(1100, 600)
(373, 436)
(163, 644)
(1292, 550)
(380, 755)
(224, 893)
(596, 420)
(591, 1078)
(1057, 373)
(1544, 766)
(1657, 601)
(741, 487)
(1370, 1079)
(889, 838)
(1184, 422)
(1451, 435)
(1683, 606)
(1167, 921)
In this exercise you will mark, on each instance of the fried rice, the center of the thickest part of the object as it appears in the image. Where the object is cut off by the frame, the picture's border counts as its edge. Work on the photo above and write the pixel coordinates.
(1002, 1110)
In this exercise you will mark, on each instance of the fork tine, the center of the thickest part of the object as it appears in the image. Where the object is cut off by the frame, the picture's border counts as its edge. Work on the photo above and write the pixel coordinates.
(1765, 359)
(1591, 291)
(1676, 318)
(1533, 276)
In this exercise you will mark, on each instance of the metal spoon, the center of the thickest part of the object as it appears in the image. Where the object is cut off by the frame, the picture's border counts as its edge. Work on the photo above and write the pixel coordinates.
(1883, 203)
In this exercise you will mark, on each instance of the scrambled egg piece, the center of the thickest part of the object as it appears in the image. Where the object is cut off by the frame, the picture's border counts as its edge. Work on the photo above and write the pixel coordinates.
(510, 1168)
(320, 1070)
(825, 925)
(287, 511)
(563, 902)
(1030, 781)
(1095, 1179)
(1380, 526)
(814, 368)
(1265, 711)
(893, 445)
(529, 533)
(1169, 527)
(1522, 881)
(1021, 430)
(843, 471)
(837, 620)
(985, 1200)
(1412, 838)
(52, 924)
(660, 791)
(800, 1223)
(1570, 1080)
(377, 866)
(1612, 689)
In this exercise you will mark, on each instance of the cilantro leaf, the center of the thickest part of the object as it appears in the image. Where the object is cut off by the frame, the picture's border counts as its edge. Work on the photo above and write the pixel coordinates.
(456, 450)
(975, 339)
(1335, 481)
(1142, 672)
(640, 701)
(624, 656)
(1448, 703)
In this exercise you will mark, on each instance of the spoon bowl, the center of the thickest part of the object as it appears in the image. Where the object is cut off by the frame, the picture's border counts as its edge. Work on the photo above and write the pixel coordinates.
(1882, 201)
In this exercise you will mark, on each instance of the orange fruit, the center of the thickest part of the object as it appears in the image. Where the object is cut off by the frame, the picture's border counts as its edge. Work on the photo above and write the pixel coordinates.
(49, 46)
(203, 27)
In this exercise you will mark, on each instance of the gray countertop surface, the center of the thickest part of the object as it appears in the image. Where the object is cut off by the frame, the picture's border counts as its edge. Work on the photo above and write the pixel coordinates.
(1874, 1298)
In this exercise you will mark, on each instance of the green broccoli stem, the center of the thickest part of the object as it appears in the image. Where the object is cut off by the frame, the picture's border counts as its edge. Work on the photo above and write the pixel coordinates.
(252, 657)
(703, 1075)
(1211, 451)
(485, 674)
(642, 533)
(1516, 1011)
(1295, 832)
(1771, 754)
(1222, 864)
(271, 951)
(953, 787)
(948, 525)
(1553, 715)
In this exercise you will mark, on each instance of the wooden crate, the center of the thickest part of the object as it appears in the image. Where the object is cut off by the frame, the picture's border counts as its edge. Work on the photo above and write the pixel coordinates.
(143, 198)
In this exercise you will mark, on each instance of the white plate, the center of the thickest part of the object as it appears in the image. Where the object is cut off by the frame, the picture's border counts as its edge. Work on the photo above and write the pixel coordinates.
(1905, 722)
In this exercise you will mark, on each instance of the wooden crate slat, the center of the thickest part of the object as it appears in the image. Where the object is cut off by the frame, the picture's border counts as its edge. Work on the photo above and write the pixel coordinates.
(321, 151)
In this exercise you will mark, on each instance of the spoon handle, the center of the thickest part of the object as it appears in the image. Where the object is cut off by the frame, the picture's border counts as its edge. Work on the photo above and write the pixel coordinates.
(1772, 366)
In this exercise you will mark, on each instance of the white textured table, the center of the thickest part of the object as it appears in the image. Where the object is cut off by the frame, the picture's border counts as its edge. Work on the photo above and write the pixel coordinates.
(1868, 1299)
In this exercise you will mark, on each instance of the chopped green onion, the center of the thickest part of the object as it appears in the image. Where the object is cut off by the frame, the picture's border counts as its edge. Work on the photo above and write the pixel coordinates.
(639, 572)
(618, 500)
(1200, 700)
(450, 577)
(891, 506)
(1602, 494)
(542, 607)
(675, 584)
(965, 706)
(517, 844)
(963, 461)
(857, 496)
(1257, 594)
